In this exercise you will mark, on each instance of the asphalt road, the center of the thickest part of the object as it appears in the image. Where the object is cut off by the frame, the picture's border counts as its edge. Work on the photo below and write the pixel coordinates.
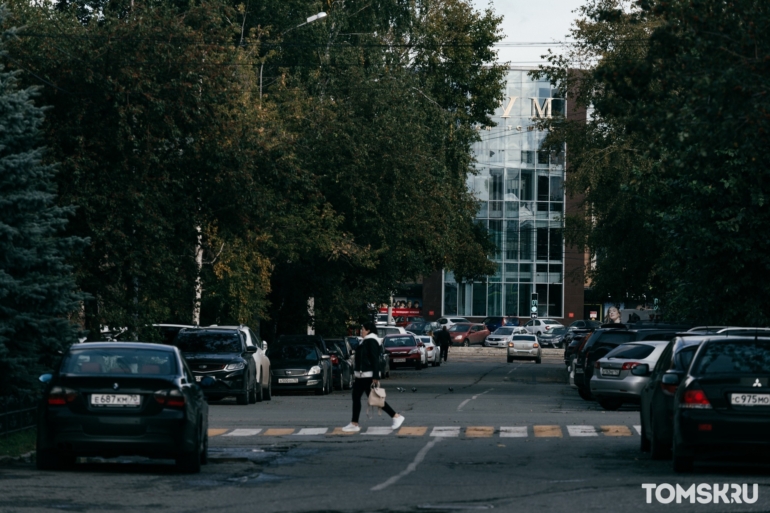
(508, 437)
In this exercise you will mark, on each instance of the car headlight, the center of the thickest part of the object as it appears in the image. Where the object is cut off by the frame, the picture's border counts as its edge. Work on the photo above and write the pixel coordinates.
(234, 366)
(459, 337)
(315, 369)
(510, 344)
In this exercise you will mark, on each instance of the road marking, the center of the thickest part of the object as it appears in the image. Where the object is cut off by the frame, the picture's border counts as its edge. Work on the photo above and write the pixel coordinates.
(616, 431)
(378, 430)
(479, 432)
(547, 431)
(311, 431)
(638, 430)
(582, 431)
(410, 468)
(278, 432)
(244, 432)
(445, 431)
(460, 408)
(339, 431)
(412, 431)
(216, 432)
(513, 432)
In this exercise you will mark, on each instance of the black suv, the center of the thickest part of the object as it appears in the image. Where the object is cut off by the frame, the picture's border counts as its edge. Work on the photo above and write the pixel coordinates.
(221, 362)
(607, 338)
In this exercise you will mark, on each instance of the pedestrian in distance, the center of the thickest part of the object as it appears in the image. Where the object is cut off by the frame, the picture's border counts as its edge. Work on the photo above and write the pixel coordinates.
(367, 372)
(443, 338)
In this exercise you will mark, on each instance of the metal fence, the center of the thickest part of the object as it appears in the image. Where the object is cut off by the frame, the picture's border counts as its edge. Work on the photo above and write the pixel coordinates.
(17, 415)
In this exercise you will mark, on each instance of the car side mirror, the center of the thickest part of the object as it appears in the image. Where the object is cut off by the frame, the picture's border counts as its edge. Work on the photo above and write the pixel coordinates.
(251, 349)
(325, 357)
(671, 378)
(45, 378)
(264, 345)
(641, 370)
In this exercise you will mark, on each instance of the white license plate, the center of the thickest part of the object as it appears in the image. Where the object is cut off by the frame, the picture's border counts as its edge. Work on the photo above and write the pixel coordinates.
(750, 399)
(288, 380)
(610, 372)
(399, 360)
(198, 378)
(130, 400)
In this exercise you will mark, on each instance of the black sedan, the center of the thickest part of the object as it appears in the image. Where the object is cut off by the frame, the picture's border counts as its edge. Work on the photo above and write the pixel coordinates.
(114, 399)
(342, 363)
(299, 366)
(722, 406)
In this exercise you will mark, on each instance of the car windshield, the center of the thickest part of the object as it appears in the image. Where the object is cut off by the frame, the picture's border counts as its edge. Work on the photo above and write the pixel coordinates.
(208, 342)
(292, 352)
(504, 331)
(399, 342)
(743, 357)
(119, 361)
(460, 327)
(631, 351)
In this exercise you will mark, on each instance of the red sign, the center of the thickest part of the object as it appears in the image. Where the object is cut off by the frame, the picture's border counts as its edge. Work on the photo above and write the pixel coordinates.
(403, 312)
(430, 313)
(571, 315)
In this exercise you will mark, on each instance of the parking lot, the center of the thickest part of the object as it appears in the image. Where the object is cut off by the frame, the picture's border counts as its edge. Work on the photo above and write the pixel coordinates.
(510, 437)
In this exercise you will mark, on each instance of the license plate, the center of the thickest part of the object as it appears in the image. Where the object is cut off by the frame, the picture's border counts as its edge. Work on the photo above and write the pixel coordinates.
(610, 372)
(399, 360)
(198, 378)
(288, 380)
(120, 400)
(750, 399)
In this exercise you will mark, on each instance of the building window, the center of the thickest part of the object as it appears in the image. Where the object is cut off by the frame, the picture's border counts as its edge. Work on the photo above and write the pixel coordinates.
(479, 299)
(450, 298)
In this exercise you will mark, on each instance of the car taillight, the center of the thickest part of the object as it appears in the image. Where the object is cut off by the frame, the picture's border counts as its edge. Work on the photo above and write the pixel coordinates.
(59, 396)
(547, 328)
(335, 360)
(596, 365)
(629, 365)
(535, 345)
(695, 399)
(170, 398)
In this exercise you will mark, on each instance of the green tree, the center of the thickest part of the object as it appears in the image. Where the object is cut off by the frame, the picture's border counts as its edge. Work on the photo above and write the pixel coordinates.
(37, 287)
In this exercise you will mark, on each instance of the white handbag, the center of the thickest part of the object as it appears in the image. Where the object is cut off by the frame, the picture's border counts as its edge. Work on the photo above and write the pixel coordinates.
(377, 396)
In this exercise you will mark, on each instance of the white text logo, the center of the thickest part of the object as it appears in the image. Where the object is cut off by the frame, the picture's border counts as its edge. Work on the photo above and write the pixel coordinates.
(726, 493)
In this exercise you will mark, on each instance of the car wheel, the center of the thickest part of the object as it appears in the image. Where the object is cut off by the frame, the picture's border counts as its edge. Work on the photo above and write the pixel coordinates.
(466, 343)
(329, 386)
(644, 444)
(190, 462)
(585, 394)
(205, 450)
(510, 359)
(682, 463)
(259, 394)
(269, 391)
(244, 397)
(610, 404)
(538, 360)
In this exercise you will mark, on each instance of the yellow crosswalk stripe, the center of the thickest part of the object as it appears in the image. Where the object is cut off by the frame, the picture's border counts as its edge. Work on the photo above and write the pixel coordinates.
(278, 432)
(412, 431)
(616, 430)
(217, 432)
(479, 431)
(339, 431)
(547, 431)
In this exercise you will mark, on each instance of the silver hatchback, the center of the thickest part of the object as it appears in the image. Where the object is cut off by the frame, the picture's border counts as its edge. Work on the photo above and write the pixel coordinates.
(614, 382)
(524, 347)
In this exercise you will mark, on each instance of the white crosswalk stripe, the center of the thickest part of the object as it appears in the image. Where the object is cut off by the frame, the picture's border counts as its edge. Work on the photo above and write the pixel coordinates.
(582, 431)
(638, 430)
(378, 430)
(445, 431)
(244, 432)
(311, 431)
(513, 432)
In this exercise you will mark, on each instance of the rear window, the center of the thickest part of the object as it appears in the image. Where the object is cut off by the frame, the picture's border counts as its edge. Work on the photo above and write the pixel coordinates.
(293, 352)
(120, 361)
(550, 322)
(209, 342)
(683, 358)
(524, 337)
(744, 357)
(399, 342)
(631, 352)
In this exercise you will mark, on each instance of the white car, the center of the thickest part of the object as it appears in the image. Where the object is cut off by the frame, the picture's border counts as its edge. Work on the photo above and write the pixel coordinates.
(383, 331)
(503, 335)
(540, 326)
(451, 321)
(383, 320)
(432, 351)
(260, 359)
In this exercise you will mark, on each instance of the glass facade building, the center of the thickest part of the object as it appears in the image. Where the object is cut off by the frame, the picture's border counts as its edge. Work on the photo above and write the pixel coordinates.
(521, 194)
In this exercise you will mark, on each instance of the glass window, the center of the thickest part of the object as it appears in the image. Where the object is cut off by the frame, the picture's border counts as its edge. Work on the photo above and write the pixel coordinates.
(494, 299)
(555, 246)
(528, 158)
(496, 184)
(556, 190)
(512, 185)
(512, 299)
(525, 272)
(483, 210)
(450, 298)
(526, 243)
(511, 209)
(527, 185)
(495, 209)
(749, 357)
(542, 188)
(542, 158)
(511, 240)
(209, 342)
(542, 244)
(525, 293)
(631, 351)
(555, 300)
(479, 299)
(119, 361)
(542, 299)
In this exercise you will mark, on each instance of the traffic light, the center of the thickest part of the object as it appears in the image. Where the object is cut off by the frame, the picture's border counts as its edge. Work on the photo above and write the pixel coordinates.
(534, 305)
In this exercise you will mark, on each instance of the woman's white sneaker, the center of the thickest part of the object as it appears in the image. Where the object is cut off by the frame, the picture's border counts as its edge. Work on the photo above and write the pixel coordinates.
(397, 421)
(351, 428)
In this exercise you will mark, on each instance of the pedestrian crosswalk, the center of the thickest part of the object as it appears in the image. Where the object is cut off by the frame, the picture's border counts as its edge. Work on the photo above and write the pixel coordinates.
(534, 431)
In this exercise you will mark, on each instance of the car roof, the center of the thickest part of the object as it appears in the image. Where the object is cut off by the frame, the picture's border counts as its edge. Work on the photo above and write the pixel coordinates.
(123, 345)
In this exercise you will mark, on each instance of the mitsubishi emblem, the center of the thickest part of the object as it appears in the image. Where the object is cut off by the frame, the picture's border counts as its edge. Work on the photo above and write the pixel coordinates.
(757, 383)
(115, 386)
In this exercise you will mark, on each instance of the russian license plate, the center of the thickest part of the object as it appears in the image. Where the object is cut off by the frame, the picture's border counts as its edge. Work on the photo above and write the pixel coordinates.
(121, 400)
(610, 372)
(399, 360)
(750, 399)
(198, 378)
(288, 380)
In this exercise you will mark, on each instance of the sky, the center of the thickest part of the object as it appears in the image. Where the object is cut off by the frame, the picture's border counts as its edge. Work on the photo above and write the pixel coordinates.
(531, 21)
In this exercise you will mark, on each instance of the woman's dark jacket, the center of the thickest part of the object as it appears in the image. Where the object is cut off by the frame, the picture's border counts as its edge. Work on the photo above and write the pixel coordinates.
(368, 356)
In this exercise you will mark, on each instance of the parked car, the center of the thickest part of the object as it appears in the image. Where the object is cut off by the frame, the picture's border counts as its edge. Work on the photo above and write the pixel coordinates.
(384, 320)
(222, 356)
(656, 413)
(614, 381)
(467, 334)
(502, 336)
(450, 321)
(553, 337)
(113, 399)
(540, 326)
(422, 328)
(607, 338)
(408, 319)
(584, 324)
(492, 323)
(320, 343)
(524, 347)
(265, 390)
(432, 351)
(299, 364)
(384, 331)
(342, 363)
(405, 350)
(720, 406)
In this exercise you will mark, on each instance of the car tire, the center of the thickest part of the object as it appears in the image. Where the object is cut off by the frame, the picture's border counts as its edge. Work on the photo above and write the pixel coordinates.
(269, 390)
(585, 394)
(538, 360)
(644, 443)
(259, 394)
(190, 462)
(466, 343)
(682, 463)
(205, 450)
(244, 397)
(610, 404)
(510, 359)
